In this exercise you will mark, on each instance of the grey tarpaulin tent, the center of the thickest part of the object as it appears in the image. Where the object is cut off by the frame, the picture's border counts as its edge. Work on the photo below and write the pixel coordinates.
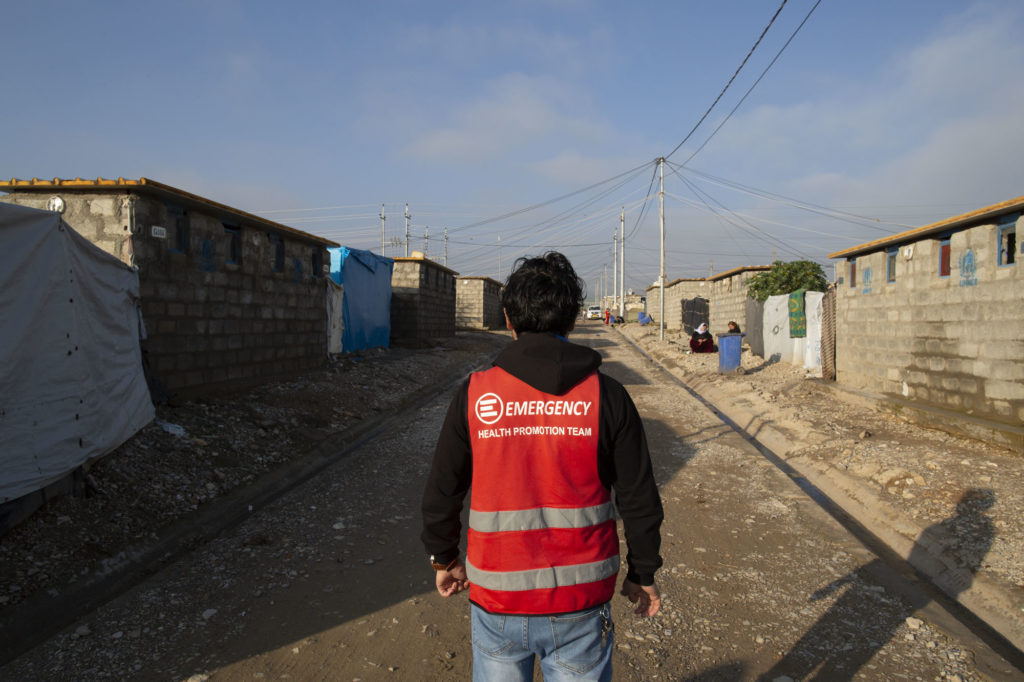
(71, 382)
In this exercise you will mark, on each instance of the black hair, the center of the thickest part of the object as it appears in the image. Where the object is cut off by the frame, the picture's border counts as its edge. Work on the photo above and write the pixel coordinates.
(543, 294)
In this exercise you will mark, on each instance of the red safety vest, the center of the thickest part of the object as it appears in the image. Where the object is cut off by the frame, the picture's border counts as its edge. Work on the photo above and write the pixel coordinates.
(542, 535)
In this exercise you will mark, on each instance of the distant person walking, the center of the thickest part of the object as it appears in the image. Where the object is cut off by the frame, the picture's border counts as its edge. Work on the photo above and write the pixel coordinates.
(607, 314)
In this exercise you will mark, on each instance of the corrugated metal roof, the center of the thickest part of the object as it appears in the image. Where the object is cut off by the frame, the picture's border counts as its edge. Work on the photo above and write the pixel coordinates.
(151, 187)
(978, 217)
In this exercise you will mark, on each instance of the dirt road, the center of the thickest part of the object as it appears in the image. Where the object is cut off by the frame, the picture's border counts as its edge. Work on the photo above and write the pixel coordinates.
(331, 583)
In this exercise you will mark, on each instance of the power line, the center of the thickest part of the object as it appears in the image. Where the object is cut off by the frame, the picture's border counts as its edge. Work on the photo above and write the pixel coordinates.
(643, 209)
(548, 202)
(751, 89)
(834, 213)
(697, 192)
(736, 73)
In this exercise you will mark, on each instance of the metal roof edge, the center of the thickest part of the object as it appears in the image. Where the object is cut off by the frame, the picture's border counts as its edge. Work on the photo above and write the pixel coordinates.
(424, 259)
(677, 281)
(736, 271)
(157, 188)
(485, 277)
(962, 221)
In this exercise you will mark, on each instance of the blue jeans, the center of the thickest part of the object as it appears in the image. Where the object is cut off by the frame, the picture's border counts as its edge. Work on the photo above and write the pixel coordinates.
(574, 646)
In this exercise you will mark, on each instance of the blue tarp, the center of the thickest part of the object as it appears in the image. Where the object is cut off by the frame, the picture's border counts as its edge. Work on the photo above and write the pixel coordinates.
(366, 307)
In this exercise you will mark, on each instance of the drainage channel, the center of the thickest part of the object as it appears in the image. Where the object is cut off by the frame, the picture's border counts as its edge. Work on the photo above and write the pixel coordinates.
(913, 585)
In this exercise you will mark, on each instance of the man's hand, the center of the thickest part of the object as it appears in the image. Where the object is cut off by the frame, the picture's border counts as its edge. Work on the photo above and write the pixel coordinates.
(453, 581)
(647, 597)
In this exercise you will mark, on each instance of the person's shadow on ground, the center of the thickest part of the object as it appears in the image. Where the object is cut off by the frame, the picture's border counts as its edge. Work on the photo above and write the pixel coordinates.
(864, 618)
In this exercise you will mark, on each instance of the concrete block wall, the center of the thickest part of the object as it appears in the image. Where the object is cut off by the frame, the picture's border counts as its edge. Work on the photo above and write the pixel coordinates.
(953, 342)
(210, 324)
(478, 303)
(632, 306)
(633, 303)
(675, 292)
(728, 300)
(102, 218)
(422, 301)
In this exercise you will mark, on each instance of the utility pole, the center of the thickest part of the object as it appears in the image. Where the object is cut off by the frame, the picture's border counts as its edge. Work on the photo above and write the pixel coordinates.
(499, 258)
(622, 268)
(407, 217)
(426, 241)
(383, 234)
(661, 277)
(615, 271)
(604, 283)
(446, 247)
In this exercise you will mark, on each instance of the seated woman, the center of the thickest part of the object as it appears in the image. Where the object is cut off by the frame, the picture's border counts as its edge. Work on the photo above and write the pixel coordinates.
(700, 341)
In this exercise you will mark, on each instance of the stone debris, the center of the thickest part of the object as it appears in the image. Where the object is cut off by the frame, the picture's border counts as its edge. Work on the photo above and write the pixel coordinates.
(922, 472)
(292, 547)
(161, 473)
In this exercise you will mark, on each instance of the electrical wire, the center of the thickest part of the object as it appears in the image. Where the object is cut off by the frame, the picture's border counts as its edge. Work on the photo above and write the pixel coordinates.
(646, 203)
(548, 202)
(836, 214)
(751, 88)
(736, 73)
(763, 235)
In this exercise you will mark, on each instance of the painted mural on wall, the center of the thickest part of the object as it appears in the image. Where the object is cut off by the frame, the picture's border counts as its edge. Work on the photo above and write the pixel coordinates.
(207, 257)
(968, 269)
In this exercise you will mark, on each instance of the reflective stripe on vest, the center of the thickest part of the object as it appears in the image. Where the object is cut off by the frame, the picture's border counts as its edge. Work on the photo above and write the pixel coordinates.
(541, 578)
(542, 535)
(544, 517)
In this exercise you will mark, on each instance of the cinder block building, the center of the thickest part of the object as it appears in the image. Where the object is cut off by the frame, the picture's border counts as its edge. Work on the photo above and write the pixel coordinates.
(422, 300)
(228, 298)
(478, 303)
(728, 296)
(676, 291)
(933, 320)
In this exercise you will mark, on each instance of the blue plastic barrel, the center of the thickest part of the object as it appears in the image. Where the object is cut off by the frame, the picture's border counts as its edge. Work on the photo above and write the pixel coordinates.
(730, 347)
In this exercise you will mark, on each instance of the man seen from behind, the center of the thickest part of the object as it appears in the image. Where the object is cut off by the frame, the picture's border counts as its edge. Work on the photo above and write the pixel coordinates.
(542, 438)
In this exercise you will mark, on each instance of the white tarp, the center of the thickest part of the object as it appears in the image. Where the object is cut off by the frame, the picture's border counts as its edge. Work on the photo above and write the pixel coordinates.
(812, 349)
(779, 345)
(71, 381)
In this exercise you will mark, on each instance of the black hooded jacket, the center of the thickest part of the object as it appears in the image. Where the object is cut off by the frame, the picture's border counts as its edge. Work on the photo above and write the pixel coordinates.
(553, 365)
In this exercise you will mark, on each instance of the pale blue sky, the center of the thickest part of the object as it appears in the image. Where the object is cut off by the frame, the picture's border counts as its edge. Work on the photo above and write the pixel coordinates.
(905, 112)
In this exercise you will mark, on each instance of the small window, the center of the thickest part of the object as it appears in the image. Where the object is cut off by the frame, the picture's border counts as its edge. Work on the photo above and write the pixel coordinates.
(890, 264)
(178, 219)
(944, 252)
(1007, 231)
(316, 262)
(853, 273)
(276, 252)
(233, 255)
